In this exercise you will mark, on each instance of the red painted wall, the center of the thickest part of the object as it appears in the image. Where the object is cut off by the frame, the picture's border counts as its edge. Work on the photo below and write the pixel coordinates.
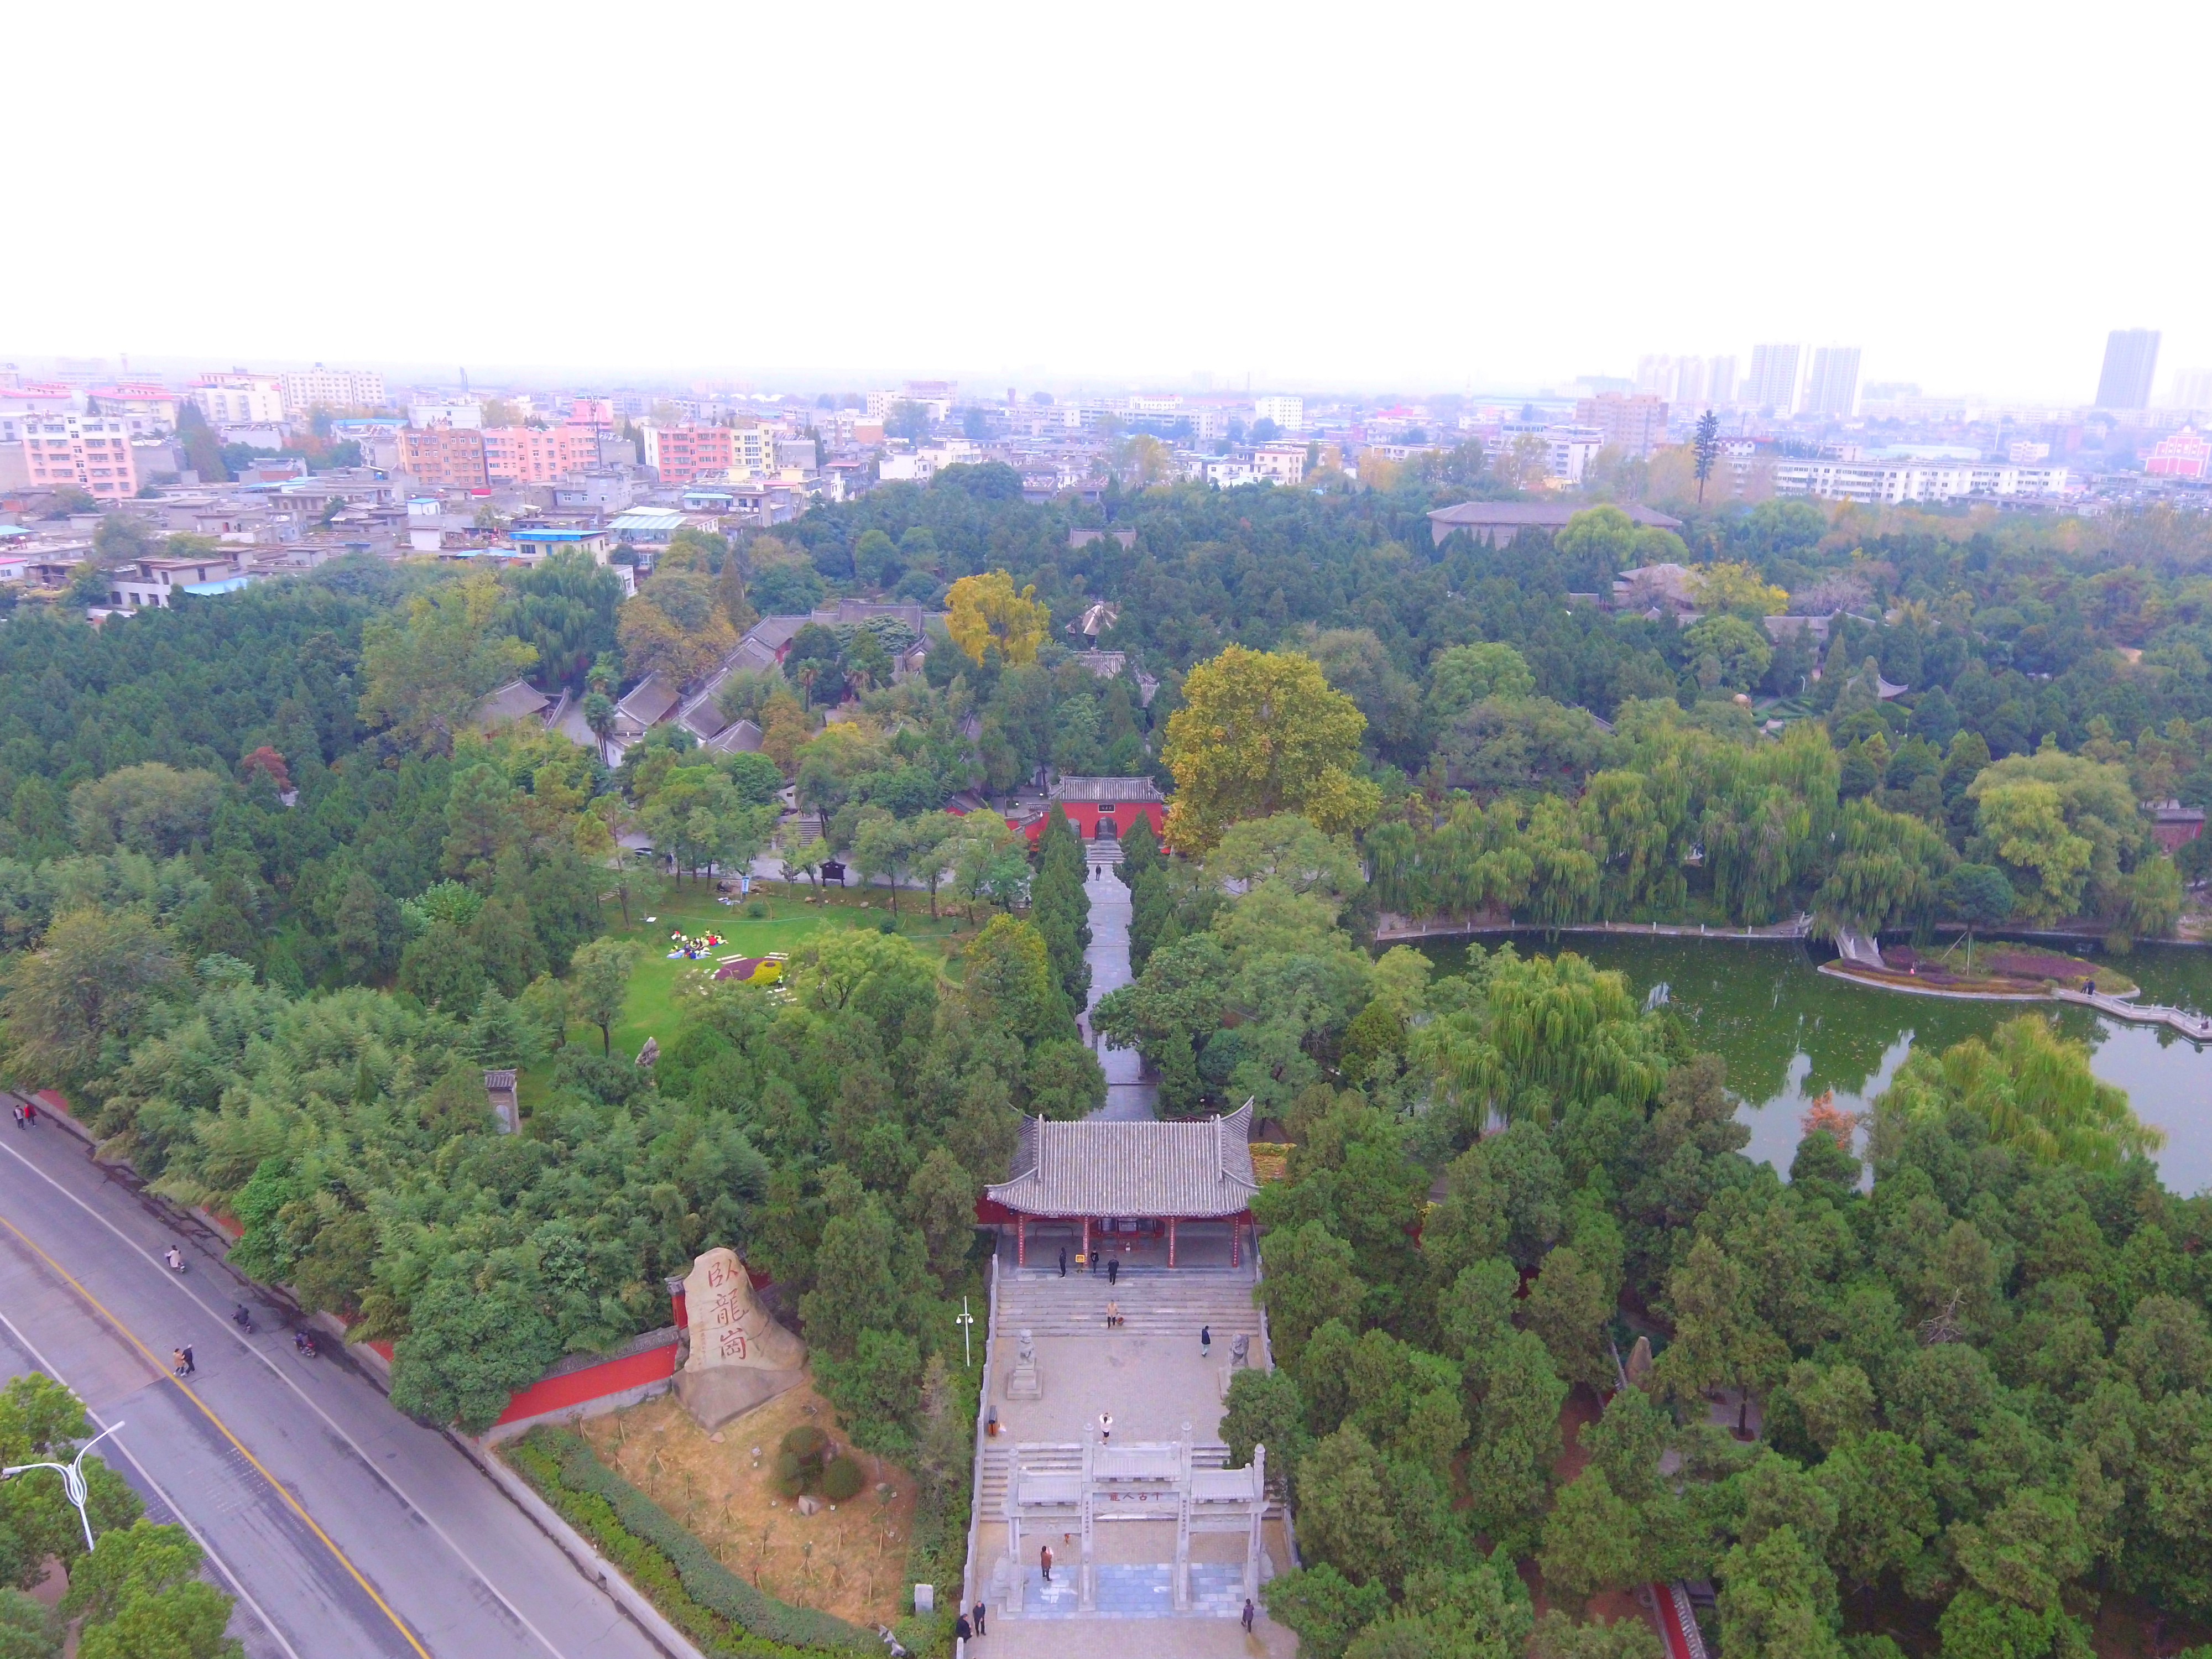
(573, 1389)
(1084, 815)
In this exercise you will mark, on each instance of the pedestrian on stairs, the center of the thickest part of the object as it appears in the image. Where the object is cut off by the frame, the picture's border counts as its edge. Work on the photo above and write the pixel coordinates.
(1063, 1261)
(1044, 1561)
(1113, 1270)
(1205, 1339)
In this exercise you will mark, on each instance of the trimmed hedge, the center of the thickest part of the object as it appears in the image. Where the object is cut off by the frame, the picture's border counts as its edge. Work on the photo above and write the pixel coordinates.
(698, 1594)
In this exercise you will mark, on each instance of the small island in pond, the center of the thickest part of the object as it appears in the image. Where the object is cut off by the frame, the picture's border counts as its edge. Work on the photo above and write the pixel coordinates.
(2014, 973)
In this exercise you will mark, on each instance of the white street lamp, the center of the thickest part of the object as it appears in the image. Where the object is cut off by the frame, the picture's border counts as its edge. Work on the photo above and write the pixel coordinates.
(72, 1474)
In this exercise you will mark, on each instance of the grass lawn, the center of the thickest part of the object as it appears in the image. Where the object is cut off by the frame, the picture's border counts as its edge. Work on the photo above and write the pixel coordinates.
(793, 915)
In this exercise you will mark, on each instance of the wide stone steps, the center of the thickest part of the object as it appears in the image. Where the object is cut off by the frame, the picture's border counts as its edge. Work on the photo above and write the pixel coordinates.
(1156, 1303)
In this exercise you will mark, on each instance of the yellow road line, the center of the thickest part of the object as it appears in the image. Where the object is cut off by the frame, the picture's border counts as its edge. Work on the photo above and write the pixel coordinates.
(162, 1370)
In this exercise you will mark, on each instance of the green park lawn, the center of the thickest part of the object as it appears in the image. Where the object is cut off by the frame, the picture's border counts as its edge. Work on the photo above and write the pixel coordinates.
(794, 916)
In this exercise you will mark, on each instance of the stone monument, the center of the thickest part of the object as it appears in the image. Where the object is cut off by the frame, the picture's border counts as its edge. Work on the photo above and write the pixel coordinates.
(1022, 1382)
(1240, 1358)
(739, 1356)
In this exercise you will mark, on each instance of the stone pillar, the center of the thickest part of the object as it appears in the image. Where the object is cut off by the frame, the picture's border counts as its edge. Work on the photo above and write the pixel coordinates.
(1253, 1541)
(1171, 1221)
(1180, 1580)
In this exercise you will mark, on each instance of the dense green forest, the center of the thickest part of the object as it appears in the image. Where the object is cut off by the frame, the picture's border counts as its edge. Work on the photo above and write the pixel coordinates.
(272, 901)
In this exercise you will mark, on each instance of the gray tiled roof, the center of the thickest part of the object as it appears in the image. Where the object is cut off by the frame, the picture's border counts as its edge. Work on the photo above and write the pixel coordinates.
(1131, 1169)
(1106, 789)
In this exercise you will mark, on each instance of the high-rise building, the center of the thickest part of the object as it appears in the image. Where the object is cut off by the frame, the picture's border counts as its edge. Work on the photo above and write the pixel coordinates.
(333, 388)
(2130, 360)
(2192, 389)
(1833, 389)
(1775, 378)
(1289, 414)
(1654, 376)
(1720, 381)
(1635, 425)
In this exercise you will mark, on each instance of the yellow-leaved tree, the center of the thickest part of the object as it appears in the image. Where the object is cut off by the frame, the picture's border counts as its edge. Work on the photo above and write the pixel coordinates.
(987, 611)
(1261, 732)
(1736, 590)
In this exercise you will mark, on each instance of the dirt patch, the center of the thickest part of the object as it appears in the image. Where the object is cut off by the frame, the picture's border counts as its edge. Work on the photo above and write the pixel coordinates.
(847, 1558)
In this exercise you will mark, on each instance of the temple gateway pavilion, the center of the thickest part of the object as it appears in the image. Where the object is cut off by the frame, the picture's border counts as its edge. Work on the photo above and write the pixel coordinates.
(1183, 1187)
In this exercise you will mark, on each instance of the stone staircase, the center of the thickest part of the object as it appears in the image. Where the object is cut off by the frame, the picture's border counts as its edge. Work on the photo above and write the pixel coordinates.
(1155, 1302)
(1102, 852)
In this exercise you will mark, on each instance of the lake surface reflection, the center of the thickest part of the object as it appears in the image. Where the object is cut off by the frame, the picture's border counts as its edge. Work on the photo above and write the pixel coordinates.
(1789, 1033)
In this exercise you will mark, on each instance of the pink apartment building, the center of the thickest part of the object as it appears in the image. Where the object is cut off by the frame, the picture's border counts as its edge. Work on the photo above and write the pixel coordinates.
(537, 455)
(91, 452)
(2182, 454)
(682, 455)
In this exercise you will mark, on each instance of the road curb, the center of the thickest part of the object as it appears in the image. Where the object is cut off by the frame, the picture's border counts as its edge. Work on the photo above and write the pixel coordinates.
(581, 1555)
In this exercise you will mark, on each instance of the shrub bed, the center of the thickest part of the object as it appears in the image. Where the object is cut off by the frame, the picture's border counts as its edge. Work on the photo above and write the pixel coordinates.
(698, 1594)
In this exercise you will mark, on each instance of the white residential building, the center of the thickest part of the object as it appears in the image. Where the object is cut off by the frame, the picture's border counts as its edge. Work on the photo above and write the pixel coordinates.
(1286, 412)
(239, 399)
(333, 388)
(1778, 378)
(1900, 481)
(1833, 387)
(468, 413)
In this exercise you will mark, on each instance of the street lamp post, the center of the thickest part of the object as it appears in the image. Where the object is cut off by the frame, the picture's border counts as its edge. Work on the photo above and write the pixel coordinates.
(72, 1474)
(967, 1323)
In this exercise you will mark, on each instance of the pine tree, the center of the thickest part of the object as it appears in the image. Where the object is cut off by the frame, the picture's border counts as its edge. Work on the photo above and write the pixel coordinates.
(1059, 901)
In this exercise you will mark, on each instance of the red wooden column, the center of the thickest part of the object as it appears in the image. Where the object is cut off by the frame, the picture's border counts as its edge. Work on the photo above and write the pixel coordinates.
(1236, 1242)
(1171, 1221)
(1086, 1241)
(1021, 1241)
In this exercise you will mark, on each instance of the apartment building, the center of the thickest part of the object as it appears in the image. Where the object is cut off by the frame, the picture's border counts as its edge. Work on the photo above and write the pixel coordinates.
(1776, 380)
(1283, 463)
(447, 457)
(1900, 481)
(682, 455)
(333, 388)
(1635, 424)
(92, 452)
(1288, 413)
(150, 411)
(239, 399)
(150, 584)
(537, 455)
(1832, 388)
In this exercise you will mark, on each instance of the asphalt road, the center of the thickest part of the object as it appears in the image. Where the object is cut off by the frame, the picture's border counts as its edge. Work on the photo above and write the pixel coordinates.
(345, 1528)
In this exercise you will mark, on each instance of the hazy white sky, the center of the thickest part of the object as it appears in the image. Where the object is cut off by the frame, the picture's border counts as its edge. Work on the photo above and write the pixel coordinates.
(1424, 195)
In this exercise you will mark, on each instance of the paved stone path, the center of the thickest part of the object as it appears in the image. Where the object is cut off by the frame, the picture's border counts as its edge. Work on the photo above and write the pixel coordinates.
(1127, 1096)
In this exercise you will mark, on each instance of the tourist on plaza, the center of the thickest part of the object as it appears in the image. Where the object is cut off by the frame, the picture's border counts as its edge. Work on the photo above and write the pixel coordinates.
(978, 1611)
(1105, 1427)
(962, 1629)
(1248, 1613)
(1205, 1339)
(1113, 1270)
(1044, 1560)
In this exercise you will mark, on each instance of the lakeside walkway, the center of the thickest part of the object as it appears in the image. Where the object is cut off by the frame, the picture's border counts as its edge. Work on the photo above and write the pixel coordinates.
(2195, 1027)
(1396, 929)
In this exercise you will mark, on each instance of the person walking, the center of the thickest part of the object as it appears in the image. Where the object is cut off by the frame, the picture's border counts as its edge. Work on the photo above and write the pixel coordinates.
(191, 1365)
(978, 1611)
(31, 1113)
(1205, 1339)
(1044, 1562)
(177, 1361)
(1063, 1261)
(962, 1630)
(1113, 1270)
(20, 1121)
(1249, 1611)
(1105, 1427)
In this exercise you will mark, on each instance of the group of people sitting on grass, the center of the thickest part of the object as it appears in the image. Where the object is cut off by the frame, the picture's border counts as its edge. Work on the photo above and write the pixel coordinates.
(692, 948)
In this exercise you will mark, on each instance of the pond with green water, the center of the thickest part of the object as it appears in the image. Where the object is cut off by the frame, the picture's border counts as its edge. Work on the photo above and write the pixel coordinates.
(1789, 1033)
